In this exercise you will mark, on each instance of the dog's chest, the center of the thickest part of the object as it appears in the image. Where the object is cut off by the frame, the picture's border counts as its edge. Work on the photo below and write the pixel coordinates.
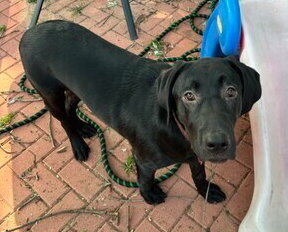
(176, 149)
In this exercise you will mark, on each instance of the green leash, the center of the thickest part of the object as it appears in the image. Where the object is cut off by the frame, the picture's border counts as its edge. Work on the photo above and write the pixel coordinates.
(100, 133)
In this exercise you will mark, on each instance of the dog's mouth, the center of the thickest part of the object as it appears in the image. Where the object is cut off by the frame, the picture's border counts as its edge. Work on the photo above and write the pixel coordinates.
(217, 160)
(213, 160)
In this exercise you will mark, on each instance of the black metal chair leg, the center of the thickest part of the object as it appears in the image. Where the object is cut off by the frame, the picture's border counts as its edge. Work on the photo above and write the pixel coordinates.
(129, 19)
(126, 8)
(36, 13)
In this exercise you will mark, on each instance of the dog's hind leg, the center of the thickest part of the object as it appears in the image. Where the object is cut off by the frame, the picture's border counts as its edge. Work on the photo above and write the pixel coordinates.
(53, 94)
(83, 128)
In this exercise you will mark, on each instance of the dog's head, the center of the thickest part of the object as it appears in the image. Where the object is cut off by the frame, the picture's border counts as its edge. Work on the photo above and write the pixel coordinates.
(206, 97)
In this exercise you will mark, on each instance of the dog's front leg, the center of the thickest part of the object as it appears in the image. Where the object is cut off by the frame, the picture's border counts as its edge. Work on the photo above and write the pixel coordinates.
(149, 190)
(215, 194)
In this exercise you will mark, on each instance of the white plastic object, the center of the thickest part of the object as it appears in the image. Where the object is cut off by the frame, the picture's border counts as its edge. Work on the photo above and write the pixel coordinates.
(265, 48)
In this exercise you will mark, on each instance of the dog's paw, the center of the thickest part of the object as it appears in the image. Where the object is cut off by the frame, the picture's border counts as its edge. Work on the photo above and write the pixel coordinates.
(85, 130)
(154, 196)
(80, 150)
(215, 194)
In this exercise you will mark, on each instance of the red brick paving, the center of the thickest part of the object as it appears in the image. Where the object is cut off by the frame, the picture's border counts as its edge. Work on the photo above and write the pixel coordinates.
(186, 224)
(48, 186)
(147, 226)
(244, 153)
(5, 208)
(29, 212)
(57, 160)
(63, 183)
(13, 196)
(12, 149)
(59, 221)
(166, 215)
(239, 203)
(81, 179)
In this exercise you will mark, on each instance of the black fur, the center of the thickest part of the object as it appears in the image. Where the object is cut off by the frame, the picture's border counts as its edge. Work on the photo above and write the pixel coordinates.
(141, 99)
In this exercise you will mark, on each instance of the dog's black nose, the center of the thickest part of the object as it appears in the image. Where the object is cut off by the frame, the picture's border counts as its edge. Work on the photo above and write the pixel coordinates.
(216, 142)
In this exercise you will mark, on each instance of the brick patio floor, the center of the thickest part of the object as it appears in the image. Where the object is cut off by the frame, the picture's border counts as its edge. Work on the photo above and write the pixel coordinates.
(31, 167)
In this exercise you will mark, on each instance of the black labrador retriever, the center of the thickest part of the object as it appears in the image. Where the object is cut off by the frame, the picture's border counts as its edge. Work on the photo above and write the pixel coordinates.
(184, 113)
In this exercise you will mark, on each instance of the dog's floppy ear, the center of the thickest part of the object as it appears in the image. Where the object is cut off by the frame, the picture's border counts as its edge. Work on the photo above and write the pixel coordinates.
(164, 85)
(251, 87)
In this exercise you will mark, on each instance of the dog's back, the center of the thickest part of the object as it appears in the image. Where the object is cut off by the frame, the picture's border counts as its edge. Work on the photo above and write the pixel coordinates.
(61, 55)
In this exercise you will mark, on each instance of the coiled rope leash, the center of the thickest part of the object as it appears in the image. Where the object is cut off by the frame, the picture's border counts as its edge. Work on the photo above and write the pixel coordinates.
(100, 134)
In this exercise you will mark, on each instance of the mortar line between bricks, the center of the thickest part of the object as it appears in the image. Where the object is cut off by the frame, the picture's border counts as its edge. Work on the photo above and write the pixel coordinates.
(224, 205)
(222, 178)
(22, 150)
(133, 44)
(247, 143)
(24, 104)
(13, 35)
(57, 176)
(82, 19)
(56, 12)
(4, 55)
(10, 16)
(3, 219)
(60, 169)
(241, 180)
(27, 185)
(10, 6)
(48, 153)
(147, 213)
(7, 216)
(239, 161)
(5, 141)
(14, 211)
(187, 182)
(156, 225)
(91, 170)
(223, 210)
(241, 138)
(184, 213)
(191, 218)
(139, 29)
(121, 194)
(113, 227)
(106, 220)
(21, 202)
(120, 35)
(49, 208)
(63, 181)
(10, 65)
(230, 214)
(111, 29)
(142, 218)
(70, 220)
(214, 217)
(67, 229)
(192, 200)
(232, 185)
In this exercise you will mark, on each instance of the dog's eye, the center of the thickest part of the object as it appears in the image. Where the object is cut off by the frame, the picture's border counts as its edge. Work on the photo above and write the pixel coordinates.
(231, 92)
(189, 96)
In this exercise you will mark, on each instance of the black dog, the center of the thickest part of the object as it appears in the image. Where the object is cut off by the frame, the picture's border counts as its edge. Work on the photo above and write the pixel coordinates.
(184, 113)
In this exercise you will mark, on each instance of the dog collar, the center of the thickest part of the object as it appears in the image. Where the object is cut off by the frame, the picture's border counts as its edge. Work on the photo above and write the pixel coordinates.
(181, 128)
